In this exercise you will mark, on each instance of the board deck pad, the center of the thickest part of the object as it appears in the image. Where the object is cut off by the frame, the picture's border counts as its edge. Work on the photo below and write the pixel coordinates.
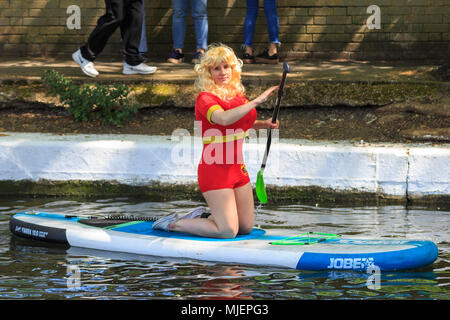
(144, 227)
(307, 251)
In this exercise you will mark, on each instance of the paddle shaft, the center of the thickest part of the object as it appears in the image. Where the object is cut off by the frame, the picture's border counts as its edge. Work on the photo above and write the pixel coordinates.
(274, 116)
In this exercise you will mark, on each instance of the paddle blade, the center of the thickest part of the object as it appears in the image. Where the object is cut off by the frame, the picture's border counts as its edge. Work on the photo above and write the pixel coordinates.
(261, 188)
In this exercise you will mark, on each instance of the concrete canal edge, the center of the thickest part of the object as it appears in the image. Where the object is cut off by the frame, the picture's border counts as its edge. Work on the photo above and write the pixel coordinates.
(165, 168)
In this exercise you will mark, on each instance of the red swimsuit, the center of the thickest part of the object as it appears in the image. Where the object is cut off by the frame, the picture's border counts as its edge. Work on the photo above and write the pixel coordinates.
(222, 164)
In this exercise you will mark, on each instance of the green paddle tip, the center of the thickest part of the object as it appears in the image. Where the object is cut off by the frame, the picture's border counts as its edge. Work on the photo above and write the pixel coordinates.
(261, 188)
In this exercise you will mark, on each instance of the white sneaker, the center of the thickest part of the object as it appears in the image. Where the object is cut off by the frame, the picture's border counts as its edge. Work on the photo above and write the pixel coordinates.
(163, 223)
(139, 69)
(194, 213)
(86, 66)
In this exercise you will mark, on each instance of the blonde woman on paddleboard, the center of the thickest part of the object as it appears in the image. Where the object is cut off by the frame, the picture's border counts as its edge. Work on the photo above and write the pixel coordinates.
(224, 115)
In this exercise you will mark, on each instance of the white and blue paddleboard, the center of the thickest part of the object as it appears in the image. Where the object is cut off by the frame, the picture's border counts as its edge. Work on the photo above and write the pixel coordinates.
(309, 251)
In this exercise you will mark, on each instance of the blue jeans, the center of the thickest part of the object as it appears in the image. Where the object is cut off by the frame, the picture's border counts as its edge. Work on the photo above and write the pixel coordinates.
(143, 44)
(198, 12)
(270, 10)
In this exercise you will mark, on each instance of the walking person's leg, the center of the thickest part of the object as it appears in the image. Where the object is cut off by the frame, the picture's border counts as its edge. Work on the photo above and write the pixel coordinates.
(270, 10)
(106, 25)
(271, 54)
(179, 8)
(249, 30)
(200, 17)
(143, 48)
(132, 31)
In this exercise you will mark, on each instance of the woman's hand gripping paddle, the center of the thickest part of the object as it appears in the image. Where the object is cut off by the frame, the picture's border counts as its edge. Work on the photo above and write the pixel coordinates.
(260, 187)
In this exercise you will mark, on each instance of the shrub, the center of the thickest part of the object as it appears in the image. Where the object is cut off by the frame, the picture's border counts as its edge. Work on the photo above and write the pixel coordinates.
(86, 102)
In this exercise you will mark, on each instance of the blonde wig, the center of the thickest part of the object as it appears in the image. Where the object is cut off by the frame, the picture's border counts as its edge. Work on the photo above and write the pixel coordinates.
(216, 54)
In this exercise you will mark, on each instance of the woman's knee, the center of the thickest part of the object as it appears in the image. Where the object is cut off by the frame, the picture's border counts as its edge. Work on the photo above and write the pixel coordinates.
(228, 232)
(245, 229)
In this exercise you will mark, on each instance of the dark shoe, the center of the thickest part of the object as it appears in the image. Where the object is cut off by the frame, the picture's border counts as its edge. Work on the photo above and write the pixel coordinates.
(266, 58)
(197, 56)
(247, 58)
(176, 57)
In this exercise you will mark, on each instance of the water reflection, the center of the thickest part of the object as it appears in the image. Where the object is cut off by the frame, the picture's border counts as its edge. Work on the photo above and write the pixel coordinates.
(35, 270)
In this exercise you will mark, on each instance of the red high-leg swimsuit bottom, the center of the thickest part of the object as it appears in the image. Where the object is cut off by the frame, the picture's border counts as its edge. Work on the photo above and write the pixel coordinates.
(221, 176)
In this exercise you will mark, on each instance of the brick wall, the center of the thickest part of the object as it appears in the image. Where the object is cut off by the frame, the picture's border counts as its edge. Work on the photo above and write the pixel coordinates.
(409, 29)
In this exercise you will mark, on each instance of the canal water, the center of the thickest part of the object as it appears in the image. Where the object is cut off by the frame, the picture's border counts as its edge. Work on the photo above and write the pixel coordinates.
(31, 270)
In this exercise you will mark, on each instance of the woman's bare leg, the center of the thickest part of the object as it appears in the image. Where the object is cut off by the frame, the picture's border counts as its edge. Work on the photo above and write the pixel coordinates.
(232, 212)
(245, 208)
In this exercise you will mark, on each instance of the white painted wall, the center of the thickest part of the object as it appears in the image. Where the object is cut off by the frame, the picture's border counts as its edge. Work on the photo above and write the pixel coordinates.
(395, 169)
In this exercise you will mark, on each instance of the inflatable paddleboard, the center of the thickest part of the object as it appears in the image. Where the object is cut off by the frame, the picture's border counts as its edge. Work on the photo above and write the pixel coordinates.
(308, 251)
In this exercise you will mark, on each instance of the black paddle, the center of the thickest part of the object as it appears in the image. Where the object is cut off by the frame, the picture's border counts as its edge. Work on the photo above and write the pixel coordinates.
(260, 187)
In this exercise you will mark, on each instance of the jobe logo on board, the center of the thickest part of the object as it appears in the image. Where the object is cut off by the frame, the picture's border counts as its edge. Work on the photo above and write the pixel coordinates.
(350, 263)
